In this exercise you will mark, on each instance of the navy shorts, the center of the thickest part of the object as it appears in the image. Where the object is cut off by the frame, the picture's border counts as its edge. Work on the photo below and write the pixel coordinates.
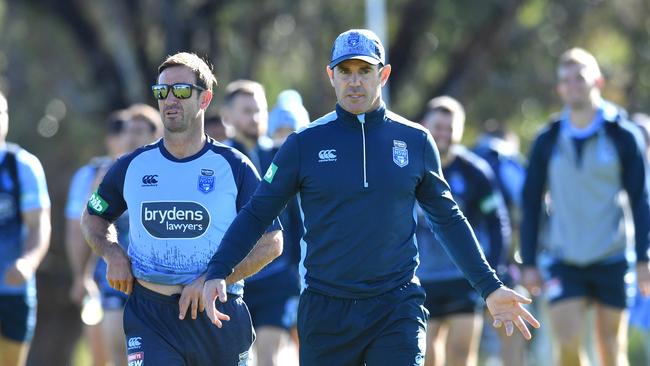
(601, 282)
(389, 329)
(273, 300)
(451, 297)
(155, 335)
(17, 317)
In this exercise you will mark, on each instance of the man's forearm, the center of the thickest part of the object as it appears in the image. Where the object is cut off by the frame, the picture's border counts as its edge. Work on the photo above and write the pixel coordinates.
(78, 251)
(267, 248)
(99, 233)
(38, 237)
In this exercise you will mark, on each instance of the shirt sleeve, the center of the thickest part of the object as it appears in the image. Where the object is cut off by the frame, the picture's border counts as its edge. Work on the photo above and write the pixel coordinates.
(248, 180)
(108, 201)
(532, 194)
(278, 185)
(493, 209)
(450, 225)
(79, 192)
(633, 179)
(33, 185)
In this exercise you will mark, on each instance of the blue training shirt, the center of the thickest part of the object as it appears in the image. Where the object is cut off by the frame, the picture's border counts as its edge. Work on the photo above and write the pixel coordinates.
(179, 209)
(476, 191)
(33, 196)
(358, 178)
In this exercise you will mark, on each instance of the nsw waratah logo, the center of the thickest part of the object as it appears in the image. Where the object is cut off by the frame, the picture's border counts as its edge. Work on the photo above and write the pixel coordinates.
(174, 220)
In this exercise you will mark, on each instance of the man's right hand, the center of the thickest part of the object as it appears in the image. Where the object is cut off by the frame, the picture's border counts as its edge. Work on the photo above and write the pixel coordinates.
(82, 286)
(118, 269)
(212, 289)
(532, 280)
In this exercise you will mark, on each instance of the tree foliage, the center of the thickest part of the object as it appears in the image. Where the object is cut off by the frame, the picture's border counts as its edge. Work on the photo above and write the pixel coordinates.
(66, 64)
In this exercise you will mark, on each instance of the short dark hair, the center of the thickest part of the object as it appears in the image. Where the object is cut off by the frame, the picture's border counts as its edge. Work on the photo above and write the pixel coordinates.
(242, 86)
(115, 122)
(148, 114)
(202, 69)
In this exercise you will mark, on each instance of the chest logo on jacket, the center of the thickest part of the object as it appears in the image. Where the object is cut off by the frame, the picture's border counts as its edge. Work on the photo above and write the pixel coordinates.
(400, 153)
(326, 155)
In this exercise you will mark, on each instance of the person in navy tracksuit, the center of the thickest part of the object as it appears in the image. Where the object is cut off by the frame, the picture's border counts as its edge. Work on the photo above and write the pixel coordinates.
(456, 309)
(272, 293)
(358, 172)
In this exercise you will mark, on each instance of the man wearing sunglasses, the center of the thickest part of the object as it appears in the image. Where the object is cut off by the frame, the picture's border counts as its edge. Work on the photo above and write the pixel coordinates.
(358, 172)
(182, 193)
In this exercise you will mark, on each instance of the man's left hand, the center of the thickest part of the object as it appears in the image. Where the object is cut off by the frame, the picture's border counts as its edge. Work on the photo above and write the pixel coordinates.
(191, 296)
(643, 278)
(506, 308)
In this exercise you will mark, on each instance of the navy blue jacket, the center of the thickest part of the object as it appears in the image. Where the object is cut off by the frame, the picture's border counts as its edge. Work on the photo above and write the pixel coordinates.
(357, 178)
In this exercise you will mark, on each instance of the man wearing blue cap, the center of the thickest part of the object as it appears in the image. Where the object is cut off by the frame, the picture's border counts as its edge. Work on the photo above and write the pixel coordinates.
(358, 172)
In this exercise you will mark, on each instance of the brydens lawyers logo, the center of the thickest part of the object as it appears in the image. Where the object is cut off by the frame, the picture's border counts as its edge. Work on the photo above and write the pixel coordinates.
(174, 220)
(150, 180)
(326, 155)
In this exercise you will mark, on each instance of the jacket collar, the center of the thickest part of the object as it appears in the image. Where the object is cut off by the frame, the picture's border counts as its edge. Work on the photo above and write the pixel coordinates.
(370, 119)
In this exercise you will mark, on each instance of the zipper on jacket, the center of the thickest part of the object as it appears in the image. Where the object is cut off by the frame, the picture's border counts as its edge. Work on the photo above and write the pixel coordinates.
(362, 120)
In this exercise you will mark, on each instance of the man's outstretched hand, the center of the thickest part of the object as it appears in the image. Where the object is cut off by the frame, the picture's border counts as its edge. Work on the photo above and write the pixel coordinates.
(211, 290)
(506, 308)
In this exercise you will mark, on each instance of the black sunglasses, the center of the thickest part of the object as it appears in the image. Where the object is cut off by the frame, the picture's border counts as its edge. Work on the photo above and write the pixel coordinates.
(180, 90)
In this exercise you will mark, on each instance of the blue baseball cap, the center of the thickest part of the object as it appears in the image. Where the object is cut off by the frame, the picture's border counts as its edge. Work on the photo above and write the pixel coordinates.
(358, 44)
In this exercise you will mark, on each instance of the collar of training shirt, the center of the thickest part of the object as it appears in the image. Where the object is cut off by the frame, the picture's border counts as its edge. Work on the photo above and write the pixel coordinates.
(371, 119)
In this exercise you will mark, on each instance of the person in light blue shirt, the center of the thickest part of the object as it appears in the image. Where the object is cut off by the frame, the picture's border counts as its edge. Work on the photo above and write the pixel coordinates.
(128, 129)
(24, 239)
(182, 193)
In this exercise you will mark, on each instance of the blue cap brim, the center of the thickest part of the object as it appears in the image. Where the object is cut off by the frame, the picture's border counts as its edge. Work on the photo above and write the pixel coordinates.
(368, 59)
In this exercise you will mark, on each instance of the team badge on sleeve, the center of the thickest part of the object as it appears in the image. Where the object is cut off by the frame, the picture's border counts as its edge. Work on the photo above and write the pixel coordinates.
(206, 181)
(270, 173)
(400, 153)
(97, 203)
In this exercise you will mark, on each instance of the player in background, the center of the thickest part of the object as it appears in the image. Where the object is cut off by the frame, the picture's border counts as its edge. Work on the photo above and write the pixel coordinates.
(84, 289)
(500, 148)
(456, 310)
(24, 237)
(215, 128)
(272, 293)
(583, 161)
(128, 129)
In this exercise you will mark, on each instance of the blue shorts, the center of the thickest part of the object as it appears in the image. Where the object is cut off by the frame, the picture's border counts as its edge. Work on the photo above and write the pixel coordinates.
(155, 335)
(601, 282)
(389, 329)
(273, 300)
(17, 317)
(451, 297)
